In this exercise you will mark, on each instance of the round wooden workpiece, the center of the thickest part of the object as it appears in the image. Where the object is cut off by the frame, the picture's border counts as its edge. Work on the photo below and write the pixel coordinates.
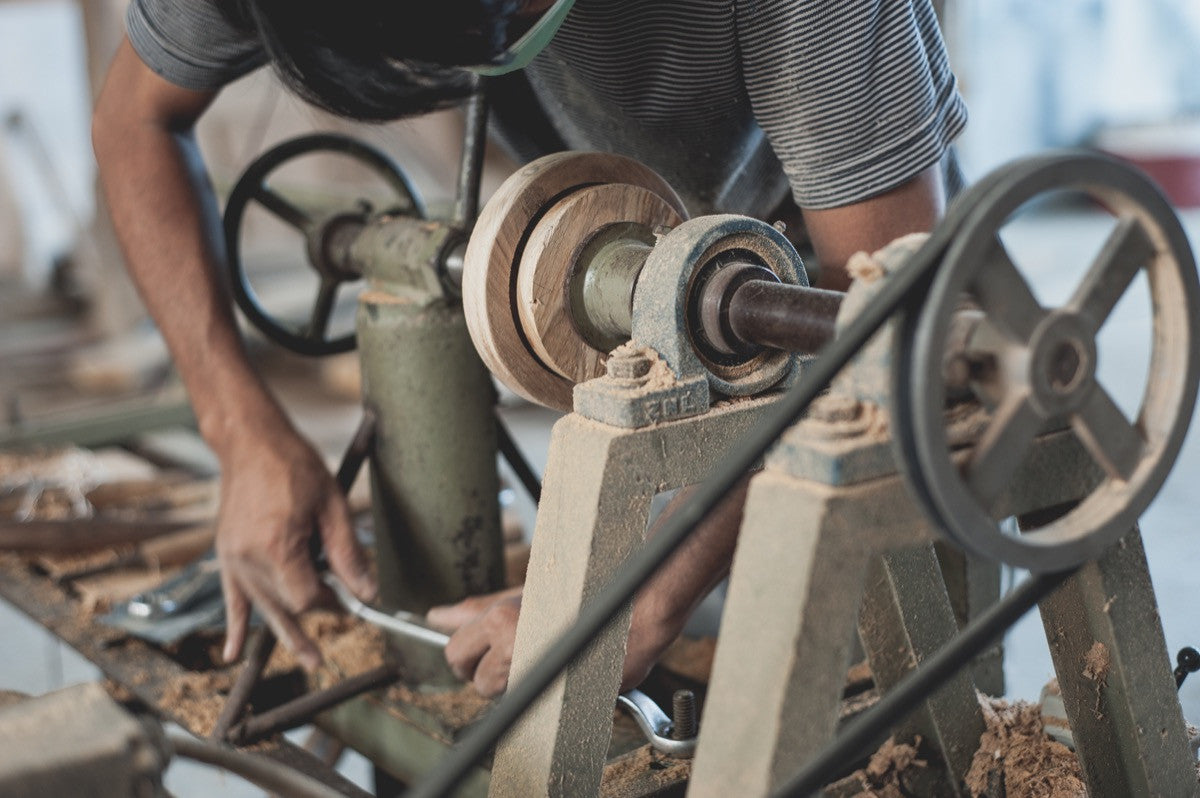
(497, 244)
(549, 260)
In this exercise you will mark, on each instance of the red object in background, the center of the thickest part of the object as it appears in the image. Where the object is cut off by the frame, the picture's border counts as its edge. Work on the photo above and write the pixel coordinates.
(1168, 152)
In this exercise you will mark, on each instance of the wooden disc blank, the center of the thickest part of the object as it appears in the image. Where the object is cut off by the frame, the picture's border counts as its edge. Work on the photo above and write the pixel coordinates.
(496, 245)
(543, 301)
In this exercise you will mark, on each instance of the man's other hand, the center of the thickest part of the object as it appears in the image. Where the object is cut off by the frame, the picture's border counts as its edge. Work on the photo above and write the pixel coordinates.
(275, 495)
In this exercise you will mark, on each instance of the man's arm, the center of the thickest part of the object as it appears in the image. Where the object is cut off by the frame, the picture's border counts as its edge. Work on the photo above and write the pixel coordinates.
(867, 226)
(275, 489)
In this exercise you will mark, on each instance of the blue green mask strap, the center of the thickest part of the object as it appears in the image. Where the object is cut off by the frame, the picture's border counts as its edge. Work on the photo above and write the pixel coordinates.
(532, 42)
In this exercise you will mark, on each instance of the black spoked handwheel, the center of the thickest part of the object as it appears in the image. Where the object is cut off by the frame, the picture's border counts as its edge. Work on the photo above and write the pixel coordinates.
(321, 233)
(1035, 367)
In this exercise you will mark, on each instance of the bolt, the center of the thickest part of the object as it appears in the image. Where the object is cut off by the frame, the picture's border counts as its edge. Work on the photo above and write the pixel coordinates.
(683, 726)
(1189, 662)
(780, 226)
(832, 408)
(660, 230)
(626, 365)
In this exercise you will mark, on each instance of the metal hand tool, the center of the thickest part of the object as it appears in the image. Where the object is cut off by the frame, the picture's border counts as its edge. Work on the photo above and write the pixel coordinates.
(649, 717)
(194, 585)
(404, 623)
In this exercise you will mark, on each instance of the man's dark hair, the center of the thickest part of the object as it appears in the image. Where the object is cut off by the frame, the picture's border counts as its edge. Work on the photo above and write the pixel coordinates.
(376, 60)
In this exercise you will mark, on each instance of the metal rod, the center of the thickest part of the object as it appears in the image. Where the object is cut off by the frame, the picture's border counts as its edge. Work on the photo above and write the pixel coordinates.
(516, 459)
(793, 318)
(303, 709)
(357, 451)
(642, 565)
(470, 173)
(872, 727)
(268, 774)
(258, 653)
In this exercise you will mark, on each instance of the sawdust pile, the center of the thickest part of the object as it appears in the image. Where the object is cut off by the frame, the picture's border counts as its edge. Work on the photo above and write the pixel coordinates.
(1015, 747)
(888, 771)
(196, 699)
(349, 646)
(643, 771)
(455, 709)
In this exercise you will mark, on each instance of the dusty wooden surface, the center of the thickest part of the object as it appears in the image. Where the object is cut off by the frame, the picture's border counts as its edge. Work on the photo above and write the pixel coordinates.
(150, 676)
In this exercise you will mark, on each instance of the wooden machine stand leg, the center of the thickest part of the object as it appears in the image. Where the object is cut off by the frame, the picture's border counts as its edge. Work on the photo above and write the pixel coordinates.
(901, 624)
(600, 480)
(1115, 675)
(798, 581)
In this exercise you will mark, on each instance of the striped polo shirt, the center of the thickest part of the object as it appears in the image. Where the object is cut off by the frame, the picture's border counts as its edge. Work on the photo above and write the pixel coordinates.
(732, 101)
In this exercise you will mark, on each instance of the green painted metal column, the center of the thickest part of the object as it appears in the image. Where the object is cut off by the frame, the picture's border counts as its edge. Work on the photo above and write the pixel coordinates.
(434, 479)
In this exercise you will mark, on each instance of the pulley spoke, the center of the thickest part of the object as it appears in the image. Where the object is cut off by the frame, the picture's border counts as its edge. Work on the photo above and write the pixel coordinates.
(1003, 293)
(1116, 444)
(1002, 449)
(282, 208)
(1123, 255)
(318, 324)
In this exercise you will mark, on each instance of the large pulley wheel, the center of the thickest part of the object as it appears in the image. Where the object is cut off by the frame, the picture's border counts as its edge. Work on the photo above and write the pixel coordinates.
(1035, 366)
(517, 267)
(322, 233)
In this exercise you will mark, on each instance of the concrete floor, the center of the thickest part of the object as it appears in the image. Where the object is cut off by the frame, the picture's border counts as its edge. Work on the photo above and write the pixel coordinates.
(1052, 249)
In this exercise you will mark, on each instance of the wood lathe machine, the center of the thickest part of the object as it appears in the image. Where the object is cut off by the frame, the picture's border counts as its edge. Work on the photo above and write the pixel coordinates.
(892, 432)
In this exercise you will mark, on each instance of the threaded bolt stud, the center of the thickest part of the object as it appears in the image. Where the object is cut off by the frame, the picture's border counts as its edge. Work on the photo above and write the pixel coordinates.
(683, 715)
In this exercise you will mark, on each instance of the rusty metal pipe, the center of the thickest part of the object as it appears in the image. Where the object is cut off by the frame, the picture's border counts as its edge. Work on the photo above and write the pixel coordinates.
(743, 308)
(306, 707)
(258, 653)
(793, 318)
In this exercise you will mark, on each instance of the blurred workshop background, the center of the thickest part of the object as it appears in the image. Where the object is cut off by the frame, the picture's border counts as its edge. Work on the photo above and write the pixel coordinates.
(1115, 74)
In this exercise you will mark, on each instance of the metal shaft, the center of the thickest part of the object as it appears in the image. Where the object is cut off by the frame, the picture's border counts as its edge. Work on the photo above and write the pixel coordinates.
(793, 318)
(741, 308)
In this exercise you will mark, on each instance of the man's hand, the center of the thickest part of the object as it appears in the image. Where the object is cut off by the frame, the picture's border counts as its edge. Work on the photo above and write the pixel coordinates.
(485, 627)
(276, 494)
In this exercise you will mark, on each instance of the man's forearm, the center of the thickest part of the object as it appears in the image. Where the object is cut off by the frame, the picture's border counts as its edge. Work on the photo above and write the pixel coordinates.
(165, 217)
(697, 566)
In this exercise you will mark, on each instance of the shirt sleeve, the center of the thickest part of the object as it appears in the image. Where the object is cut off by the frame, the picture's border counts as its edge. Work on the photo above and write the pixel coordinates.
(856, 97)
(190, 43)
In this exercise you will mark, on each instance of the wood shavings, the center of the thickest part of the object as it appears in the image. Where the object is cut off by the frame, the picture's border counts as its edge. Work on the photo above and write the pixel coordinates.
(1096, 663)
(456, 709)
(643, 771)
(887, 772)
(864, 268)
(197, 698)
(1028, 763)
(349, 647)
